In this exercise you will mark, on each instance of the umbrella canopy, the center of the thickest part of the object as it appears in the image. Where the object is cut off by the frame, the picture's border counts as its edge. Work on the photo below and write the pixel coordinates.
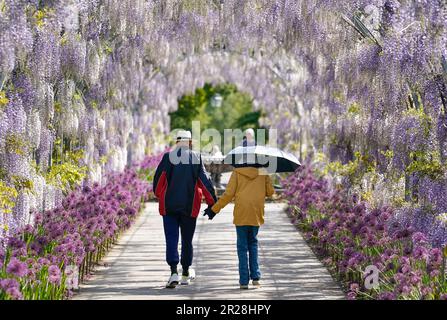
(273, 159)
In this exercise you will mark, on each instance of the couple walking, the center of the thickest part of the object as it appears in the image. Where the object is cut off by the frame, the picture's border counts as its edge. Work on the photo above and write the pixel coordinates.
(180, 182)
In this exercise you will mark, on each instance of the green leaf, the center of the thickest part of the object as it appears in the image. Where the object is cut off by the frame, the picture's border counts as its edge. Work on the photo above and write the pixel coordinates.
(360, 27)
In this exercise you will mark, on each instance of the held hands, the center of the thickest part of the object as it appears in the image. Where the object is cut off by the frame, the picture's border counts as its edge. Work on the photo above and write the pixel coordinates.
(209, 213)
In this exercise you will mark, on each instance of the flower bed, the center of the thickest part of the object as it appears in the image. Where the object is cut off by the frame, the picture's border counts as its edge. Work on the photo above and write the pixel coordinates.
(349, 237)
(46, 260)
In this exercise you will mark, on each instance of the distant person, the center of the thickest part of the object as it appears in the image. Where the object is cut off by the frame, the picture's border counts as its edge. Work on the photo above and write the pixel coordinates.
(216, 152)
(249, 138)
(248, 187)
(179, 188)
(215, 172)
(248, 141)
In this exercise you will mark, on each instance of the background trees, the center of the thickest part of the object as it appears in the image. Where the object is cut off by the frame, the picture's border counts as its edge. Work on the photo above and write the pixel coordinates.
(235, 109)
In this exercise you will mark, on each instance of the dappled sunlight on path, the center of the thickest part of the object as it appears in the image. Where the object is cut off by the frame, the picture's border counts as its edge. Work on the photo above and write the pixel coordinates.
(136, 269)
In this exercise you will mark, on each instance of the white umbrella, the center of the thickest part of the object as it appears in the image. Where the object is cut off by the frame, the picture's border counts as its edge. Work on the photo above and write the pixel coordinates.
(273, 159)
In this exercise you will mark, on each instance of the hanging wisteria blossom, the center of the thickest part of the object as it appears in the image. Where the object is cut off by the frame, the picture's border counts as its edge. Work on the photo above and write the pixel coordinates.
(356, 87)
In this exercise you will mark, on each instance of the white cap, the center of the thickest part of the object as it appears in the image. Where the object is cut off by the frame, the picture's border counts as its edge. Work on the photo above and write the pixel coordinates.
(183, 135)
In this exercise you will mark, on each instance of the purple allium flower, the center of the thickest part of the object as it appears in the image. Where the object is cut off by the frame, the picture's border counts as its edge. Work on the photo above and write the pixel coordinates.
(420, 253)
(17, 268)
(435, 256)
(14, 293)
(425, 291)
(387, 296)
(390, 266)
(17, 253)
(434, 273)
(9, 283)
(408, 250)
(419, 238)
(404, 261)
(415, 279)
(354, 287)
(405, 269)
(54, 274)
(130, 211)
(28, 229)
(352, 295)
(43, 261)
(353, 263)
(16, 243)
(404, 289)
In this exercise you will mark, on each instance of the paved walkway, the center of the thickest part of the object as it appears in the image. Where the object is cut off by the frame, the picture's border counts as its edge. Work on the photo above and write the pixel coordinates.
(136, 268)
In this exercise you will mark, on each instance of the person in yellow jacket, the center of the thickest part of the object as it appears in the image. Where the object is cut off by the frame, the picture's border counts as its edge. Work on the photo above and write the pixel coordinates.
(248, 187)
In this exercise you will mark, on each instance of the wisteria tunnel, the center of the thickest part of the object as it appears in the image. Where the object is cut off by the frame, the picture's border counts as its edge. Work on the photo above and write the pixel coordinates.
(357, 90)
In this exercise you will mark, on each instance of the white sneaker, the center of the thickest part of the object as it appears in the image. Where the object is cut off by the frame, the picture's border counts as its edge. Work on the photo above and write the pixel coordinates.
(186, 280)
(173, 281)
(256, 283)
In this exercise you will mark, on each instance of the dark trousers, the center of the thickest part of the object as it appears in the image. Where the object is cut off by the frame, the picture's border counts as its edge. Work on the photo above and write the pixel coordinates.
(187, 225)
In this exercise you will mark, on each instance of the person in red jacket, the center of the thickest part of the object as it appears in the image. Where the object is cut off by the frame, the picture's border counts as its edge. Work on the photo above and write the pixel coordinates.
(180, 182)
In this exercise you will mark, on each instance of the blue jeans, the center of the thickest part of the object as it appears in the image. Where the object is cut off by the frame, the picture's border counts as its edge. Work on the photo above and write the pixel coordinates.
(247, 242)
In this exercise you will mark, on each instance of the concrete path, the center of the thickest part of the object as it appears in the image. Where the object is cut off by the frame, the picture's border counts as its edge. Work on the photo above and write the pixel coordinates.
(136, 268)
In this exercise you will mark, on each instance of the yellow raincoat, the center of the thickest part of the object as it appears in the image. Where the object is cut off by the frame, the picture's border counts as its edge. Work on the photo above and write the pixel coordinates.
(248, 187)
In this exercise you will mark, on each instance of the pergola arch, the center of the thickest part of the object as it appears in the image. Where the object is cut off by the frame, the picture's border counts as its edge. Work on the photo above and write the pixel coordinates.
(276, 96)
(239, 59)
(131, 59)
